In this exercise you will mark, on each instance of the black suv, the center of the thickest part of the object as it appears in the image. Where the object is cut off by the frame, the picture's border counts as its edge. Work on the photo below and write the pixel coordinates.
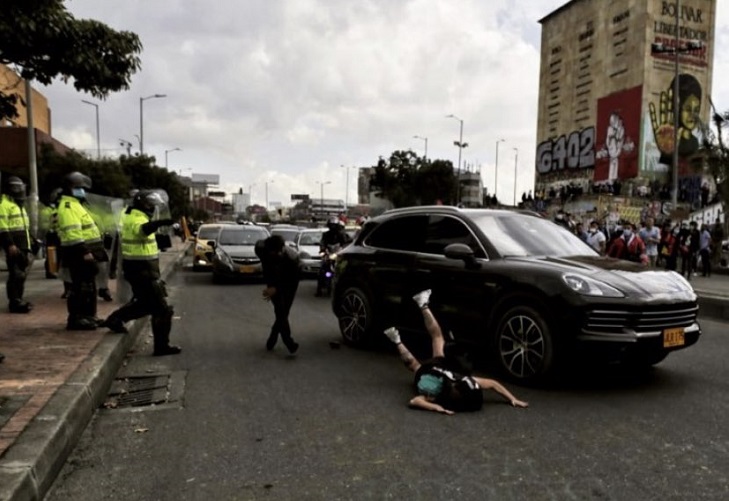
(515, 283)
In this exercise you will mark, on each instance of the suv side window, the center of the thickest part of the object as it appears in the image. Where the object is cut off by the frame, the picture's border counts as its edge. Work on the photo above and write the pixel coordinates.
(445, 230)
(402, 233)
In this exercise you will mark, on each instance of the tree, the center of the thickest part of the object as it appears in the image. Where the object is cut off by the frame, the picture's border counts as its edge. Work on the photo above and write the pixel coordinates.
(42, 41)
(112, 177)
(407, 179)
(717, 157)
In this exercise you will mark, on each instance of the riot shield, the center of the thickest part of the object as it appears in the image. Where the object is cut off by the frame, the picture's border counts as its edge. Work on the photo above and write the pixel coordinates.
(164, 234)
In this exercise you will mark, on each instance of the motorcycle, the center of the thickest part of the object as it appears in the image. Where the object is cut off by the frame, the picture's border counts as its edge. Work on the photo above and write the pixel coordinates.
(326, 270)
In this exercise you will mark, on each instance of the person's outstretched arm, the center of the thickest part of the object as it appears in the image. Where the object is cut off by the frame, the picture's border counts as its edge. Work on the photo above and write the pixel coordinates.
(491, 384)
(420, 402)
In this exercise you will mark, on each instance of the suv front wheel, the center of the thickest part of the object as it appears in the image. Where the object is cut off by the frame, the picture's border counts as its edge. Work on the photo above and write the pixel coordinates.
(354, 312)
(524, 344)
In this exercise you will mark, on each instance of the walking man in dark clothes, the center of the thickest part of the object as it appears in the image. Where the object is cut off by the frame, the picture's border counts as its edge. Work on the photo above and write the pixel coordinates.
(281, 272)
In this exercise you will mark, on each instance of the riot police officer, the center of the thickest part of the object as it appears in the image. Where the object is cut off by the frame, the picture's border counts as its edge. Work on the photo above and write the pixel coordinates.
(140, 264)
(81, 249)
(16, 242)
(49, 226)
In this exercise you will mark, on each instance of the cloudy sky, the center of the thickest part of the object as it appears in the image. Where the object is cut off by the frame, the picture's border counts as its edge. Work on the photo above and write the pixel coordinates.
(283, 93)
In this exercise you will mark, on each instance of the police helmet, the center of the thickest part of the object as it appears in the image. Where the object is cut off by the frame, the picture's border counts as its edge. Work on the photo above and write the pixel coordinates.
(15, 188)
(147, 200)
(76, 180)
(333, 223)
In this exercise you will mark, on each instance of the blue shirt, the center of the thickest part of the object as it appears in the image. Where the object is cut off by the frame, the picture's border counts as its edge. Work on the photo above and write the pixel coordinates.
(705, 240)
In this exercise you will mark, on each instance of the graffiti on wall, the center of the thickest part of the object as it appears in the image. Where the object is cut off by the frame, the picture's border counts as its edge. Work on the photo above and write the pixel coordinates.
(573, 151)
(618, 122)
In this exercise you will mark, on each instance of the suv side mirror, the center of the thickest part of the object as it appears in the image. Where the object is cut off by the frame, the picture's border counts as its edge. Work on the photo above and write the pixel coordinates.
(462, 252)
(212, 244)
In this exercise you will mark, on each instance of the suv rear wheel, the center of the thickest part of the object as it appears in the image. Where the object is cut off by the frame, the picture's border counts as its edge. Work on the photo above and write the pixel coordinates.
(354, 312)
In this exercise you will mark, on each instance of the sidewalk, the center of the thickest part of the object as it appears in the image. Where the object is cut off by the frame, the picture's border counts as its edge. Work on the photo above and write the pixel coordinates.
(53, 380)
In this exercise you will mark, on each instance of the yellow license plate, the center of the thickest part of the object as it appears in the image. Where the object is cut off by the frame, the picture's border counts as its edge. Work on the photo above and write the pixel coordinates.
(247, 269)
(673, 337)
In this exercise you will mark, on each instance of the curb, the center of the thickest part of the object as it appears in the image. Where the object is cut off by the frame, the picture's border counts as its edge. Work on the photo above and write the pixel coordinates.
(713, 308)
(30, 466)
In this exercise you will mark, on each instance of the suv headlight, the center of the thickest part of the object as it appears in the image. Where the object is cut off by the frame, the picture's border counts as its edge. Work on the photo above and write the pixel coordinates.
(200, 247)
(590, 287)
(223, 257)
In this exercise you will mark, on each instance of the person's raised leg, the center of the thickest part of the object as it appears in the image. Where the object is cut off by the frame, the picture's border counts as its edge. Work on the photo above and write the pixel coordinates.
(431, 324)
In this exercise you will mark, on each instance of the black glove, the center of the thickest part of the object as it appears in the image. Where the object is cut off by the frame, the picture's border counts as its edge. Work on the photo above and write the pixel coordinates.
(152, 226)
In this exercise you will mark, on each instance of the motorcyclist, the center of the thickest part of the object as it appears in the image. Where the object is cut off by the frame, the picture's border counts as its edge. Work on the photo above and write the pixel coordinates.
(335, 237)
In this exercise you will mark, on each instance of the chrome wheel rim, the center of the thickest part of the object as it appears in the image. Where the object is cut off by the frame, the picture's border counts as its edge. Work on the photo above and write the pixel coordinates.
(353, 318)
(521, 346)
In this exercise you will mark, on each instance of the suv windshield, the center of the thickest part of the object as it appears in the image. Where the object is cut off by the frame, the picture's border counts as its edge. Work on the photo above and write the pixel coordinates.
(310, 237)
(524, 235)
(248, 236)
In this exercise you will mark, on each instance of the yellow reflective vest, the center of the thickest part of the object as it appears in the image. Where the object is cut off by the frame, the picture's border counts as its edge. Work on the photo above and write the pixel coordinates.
(48, 219)
(14, 225)
(75, 224)
(135, 245)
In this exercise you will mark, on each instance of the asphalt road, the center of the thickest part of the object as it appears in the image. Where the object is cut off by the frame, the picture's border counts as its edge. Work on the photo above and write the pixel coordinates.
(333, 423)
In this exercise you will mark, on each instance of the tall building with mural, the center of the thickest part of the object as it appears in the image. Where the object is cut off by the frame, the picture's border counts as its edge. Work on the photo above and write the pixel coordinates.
(606, 97)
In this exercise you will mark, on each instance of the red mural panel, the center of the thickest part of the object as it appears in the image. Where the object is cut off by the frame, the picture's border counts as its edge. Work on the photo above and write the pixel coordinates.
(618, 134)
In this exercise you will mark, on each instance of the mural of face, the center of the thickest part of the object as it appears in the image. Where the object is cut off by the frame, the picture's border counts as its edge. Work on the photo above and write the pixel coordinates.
(690, 109)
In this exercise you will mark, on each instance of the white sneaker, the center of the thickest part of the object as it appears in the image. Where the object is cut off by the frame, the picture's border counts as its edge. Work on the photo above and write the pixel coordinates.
(421, 298)
(393, 335)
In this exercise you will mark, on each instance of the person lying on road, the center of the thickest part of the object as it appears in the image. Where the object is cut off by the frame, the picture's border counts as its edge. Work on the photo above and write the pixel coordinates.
(442, 386)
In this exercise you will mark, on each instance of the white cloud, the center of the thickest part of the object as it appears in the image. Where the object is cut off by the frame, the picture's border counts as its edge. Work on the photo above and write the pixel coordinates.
(290, 90)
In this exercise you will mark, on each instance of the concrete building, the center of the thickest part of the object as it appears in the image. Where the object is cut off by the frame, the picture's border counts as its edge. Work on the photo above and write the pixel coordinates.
(14, 131)
(605, 97)
(240, 202)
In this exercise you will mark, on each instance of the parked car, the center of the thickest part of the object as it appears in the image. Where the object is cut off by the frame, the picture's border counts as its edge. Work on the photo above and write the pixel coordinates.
(203, 254)
(307, 243)
(235, 255)
(288, 232)
(529, 291)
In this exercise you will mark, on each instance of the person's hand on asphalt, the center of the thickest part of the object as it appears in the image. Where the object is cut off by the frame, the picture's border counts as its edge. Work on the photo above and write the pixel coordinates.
(519, 403)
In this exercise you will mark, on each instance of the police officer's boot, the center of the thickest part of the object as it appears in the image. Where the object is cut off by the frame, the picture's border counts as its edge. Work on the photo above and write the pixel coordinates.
(161, 327)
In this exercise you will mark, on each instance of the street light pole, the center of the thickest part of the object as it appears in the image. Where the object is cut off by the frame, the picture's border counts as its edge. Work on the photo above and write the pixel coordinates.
(676, 111)
(496, 168)
(321, 194)
(141, 119)
(460, 145)
(676, 50)
(267, 193)
(425, 139)
(168, 151)
(98, 140)
(346, 188)
(516, 163)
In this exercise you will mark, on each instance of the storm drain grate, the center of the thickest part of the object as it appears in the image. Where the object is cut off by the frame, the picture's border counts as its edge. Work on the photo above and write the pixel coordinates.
(138, 391)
